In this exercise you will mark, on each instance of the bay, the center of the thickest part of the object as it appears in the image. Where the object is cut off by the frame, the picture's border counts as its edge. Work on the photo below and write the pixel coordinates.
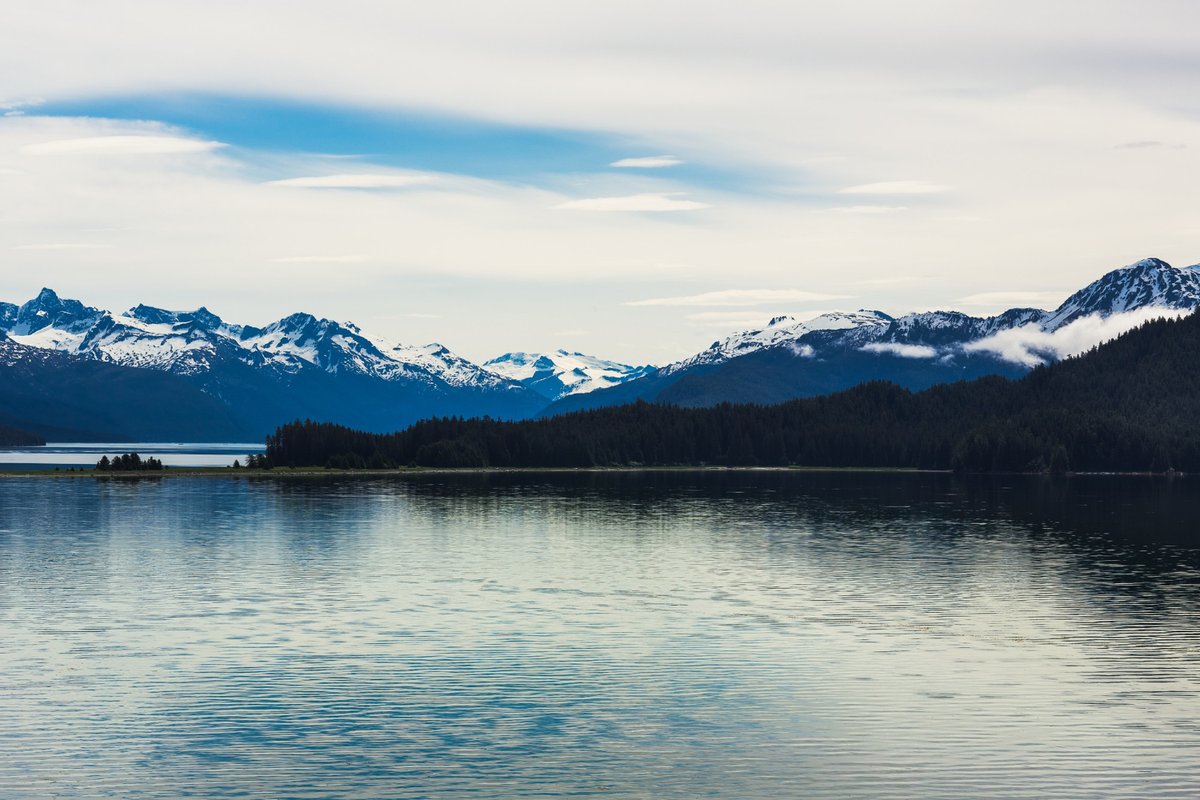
(665, 635)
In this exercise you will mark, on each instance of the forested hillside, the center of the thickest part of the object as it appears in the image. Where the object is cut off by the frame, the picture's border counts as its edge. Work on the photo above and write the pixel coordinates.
(1129, 405)
(15, 437)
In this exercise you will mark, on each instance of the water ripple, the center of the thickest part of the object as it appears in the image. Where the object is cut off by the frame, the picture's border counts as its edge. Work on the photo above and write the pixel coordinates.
(669, 637)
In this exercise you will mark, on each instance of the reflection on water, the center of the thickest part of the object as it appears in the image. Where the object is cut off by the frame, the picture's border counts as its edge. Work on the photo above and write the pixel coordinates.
(659, 635)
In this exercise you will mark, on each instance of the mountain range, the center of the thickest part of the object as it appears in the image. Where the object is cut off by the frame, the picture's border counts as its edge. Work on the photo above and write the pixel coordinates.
(1128, 405)
(790, 358)
(71, 371)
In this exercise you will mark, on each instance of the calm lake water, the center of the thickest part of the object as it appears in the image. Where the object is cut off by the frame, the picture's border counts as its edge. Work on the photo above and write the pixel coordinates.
(757, 635)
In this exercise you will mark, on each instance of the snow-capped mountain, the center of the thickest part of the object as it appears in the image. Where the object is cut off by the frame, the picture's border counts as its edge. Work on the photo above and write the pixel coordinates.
(193, 342)
(562, 373)
(249, 378)
(1149, 283)
(295, 367)
(835, 351)
(782, 330)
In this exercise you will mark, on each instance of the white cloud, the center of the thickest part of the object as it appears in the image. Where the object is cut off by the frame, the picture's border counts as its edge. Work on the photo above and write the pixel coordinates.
(735, 323)
(737, 297)
(1030, 345)
(130, 145)
(647, 162)
(362, 180)
(901, 350)
(1149, 144)
(891, 280)
(895, 187)
(346, 259)
(869, 209)
(634, 202)
(63, 246)
(801, 350)
(724, 317)
(1014, 299)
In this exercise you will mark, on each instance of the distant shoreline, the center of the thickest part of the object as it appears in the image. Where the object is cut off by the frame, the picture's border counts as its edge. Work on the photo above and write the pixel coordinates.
(283, 473)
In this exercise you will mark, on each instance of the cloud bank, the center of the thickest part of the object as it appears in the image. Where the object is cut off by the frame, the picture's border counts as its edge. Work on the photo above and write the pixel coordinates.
(647, 162)
(121, 146)
(634, 202)
(1031, 346)
(737, 297)
(896, 187)
(901, 350)
(354, 181)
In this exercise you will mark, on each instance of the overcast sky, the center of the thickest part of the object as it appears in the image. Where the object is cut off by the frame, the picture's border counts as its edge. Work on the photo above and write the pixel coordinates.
(628, 179)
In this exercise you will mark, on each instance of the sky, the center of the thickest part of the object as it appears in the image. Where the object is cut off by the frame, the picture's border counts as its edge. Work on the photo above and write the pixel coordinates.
(625, 179)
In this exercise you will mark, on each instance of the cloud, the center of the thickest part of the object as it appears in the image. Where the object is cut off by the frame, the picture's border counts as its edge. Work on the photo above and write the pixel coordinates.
(891, 280)
(801, 350)
(901, 350)
(345, 259)
(634, 202)
(737, 298)
(63, 246)
(1149, 144)
(741, 321)
(362, 180)
(1013, 299)
(127, 145)
(869, 209)
(1030, 345)
(384, 318)
(896, 187)
(725, 316)
(647, 162)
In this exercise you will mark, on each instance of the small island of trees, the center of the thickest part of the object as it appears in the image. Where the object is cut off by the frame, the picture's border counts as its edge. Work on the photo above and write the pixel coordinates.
(129, 462)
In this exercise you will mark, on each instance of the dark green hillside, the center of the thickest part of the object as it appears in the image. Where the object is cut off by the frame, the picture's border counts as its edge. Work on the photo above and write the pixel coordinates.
(65, 398)
(15, 437)
(1131, 405)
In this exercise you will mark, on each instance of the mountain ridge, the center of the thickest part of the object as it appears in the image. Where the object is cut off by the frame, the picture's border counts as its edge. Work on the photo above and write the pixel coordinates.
(1126, 406)
(304, 366)
(789, 359)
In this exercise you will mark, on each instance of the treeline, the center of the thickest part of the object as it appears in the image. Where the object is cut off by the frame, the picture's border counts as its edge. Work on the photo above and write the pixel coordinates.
(1130, 405)
(15, 437)
(129, 462)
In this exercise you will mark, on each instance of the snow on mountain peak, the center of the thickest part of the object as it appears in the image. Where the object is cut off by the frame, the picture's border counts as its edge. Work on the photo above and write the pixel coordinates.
(49, 310)
(562, 373)
(191, 342)
(1150, 282)
(780, 330)
(197, 342)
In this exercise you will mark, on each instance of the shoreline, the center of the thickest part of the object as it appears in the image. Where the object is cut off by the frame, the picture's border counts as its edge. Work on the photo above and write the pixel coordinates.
(284, 473)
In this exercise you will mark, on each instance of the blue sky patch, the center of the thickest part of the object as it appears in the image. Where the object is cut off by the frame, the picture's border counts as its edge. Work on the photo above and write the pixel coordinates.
(400, 139)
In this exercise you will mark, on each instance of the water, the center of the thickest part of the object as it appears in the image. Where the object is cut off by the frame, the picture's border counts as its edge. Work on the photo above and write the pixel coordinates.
(599, 636)
(65, 455)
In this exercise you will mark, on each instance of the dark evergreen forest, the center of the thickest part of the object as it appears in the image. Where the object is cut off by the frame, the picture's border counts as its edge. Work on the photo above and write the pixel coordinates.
(1132, 404)
(15, 437)
(129, 462)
